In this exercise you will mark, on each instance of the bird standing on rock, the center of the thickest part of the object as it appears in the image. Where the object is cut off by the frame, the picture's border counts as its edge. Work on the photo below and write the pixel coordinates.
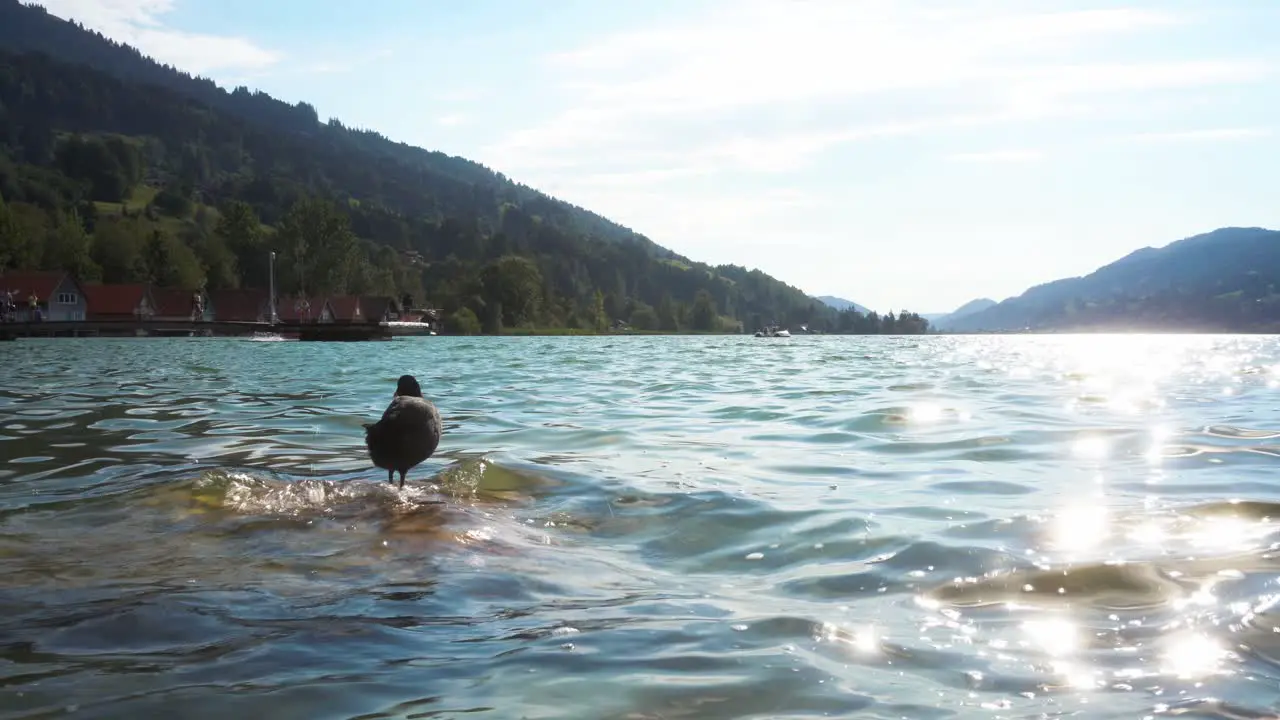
(408, 432)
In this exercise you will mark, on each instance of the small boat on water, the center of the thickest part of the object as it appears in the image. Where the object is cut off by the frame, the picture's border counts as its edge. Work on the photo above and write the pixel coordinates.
(773, 331)
(407, 327)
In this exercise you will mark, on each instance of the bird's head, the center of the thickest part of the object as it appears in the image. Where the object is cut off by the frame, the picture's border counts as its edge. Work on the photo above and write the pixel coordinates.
(408, 385)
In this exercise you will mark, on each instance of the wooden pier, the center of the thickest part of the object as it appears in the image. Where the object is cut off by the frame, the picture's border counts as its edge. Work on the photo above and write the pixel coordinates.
(309, 331)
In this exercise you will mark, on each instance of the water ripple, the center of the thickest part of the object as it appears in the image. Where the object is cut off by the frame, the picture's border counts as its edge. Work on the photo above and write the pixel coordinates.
(941, 527)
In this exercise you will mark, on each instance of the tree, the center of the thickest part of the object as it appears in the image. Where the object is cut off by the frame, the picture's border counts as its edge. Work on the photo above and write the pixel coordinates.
(241, 233)
(169, 262)
(10, 243)
(492, 323)
(611, 306)
(68, 248)
(156, 260)
(667, 316)
(643, 317)
(514, 284)
(318, 249)
(463, 322)
(173, 201)
(704, 316)
(28, 228)
(599, 317)
(216, 260)
(117, 249)
(93, 163)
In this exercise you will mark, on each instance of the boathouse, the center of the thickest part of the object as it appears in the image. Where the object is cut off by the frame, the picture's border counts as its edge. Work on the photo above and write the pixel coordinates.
(242, 305)
(130, 301)
(58, 296)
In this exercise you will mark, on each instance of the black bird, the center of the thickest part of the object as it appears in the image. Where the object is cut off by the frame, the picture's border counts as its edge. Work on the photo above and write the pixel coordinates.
(408, 432)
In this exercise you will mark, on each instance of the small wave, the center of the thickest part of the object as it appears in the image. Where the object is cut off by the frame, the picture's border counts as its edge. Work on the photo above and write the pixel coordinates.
(1228, 431)
(984, 487)
(257, 493)
(253, 494)
(1243, 509)
(693, 527)
(1128, 586)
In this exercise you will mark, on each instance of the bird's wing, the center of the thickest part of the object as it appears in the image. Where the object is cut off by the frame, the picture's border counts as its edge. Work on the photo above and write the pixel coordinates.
(393, 410)
(405, 412)
(390, 415)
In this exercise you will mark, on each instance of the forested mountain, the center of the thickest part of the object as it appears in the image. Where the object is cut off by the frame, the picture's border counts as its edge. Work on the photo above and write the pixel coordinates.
(1224, 280)
(123, 169)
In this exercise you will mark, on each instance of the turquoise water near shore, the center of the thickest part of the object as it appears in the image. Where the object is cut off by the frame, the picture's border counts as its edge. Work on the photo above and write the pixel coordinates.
(644, 527)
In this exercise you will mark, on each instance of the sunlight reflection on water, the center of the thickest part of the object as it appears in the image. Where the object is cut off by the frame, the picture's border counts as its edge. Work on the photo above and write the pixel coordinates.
(646, 528)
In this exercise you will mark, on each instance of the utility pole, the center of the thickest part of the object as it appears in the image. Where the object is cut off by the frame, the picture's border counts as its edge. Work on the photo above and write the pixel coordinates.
(271, 264)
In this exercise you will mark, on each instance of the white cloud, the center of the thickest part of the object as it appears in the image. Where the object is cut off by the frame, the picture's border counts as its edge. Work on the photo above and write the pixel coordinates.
(681, 130)
(642, 178)
(451, 120)
(138, 23)
(1232, 133)
(348, 62)
(764, 52)
(997, 156)
(327, 68)
(712, 87)
(460, 95)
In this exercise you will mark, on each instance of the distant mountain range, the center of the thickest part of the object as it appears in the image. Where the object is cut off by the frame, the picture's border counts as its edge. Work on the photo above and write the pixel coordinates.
(936, 320)
(841, 304)
(941, 321)
(1226, 280)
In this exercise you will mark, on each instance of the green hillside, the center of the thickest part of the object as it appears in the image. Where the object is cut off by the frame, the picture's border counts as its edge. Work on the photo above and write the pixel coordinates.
(122, 169)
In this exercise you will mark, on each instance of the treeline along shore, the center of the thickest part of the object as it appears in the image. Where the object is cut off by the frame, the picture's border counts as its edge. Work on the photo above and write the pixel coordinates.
(58, 303)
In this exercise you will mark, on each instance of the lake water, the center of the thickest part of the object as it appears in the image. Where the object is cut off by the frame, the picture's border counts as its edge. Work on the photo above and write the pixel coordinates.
(624, 527)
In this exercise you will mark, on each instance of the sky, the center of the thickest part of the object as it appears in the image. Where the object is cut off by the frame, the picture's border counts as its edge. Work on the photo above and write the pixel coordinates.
(903, 154)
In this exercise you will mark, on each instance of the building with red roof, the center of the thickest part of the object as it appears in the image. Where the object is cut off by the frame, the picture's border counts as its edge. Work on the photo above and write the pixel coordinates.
(176, 305)
(126, 301)
(55, 295)
(346, 308)
(364, 308)
(242, 305)
(379, 308)
(303, 309)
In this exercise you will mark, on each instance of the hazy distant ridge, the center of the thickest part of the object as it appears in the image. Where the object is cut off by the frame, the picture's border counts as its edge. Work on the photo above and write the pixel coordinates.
(942, 320)
(1224, 280)
(841, 304)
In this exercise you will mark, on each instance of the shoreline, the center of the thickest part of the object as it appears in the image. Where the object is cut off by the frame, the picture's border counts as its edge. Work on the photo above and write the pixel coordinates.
(51, 330)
